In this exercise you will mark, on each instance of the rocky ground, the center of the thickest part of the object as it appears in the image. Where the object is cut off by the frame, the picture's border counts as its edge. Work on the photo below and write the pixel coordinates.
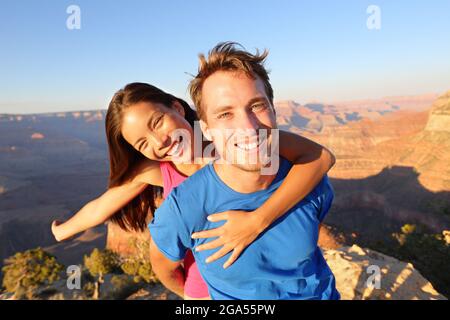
(355, 270)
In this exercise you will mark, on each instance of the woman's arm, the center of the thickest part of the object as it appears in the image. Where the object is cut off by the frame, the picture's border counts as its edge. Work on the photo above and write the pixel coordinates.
(101, 209)
(311, 162)
(170, 273)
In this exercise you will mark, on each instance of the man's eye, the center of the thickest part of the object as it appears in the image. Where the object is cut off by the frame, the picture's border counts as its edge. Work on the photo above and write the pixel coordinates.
(224, 115)
(259, 107)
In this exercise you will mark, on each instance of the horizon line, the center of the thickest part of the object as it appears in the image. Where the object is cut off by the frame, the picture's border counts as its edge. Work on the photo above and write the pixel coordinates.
(310, 101)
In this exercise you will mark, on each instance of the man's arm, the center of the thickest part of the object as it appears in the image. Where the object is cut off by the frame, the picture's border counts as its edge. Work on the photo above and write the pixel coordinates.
(170, 273)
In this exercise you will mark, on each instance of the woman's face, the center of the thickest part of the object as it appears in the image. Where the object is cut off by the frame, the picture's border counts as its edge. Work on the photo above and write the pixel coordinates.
(158, 132)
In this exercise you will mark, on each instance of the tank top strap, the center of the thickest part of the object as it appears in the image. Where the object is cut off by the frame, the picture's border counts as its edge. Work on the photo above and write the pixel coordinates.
(171, 177)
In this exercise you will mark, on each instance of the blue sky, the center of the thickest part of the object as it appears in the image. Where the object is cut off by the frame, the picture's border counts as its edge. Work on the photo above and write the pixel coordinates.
(319, 50)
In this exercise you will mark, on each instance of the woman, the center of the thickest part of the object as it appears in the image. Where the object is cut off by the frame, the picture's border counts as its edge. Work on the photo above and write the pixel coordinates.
(140, 123)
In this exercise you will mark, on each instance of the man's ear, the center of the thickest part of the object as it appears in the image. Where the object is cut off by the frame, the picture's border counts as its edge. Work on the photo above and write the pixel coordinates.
(176, 105)
(205, 130)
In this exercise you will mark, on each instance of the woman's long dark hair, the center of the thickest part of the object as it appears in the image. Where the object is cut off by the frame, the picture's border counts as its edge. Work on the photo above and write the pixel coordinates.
(123, 158)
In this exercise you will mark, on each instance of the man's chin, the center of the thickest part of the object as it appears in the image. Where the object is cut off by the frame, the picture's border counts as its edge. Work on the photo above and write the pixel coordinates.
(249, 167)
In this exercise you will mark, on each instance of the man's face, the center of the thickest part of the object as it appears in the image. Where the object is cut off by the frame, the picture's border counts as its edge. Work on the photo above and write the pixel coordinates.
(239, 118)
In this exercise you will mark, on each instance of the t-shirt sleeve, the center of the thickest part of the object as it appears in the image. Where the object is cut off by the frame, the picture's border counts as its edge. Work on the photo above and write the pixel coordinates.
(169, 231)
(326, 198)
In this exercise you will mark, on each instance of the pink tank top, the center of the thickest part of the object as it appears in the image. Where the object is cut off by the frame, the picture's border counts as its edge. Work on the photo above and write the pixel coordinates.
(194, 286)
(171, 177)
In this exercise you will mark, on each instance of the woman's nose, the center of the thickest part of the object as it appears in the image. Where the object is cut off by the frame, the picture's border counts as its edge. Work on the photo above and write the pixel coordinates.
(160, 140)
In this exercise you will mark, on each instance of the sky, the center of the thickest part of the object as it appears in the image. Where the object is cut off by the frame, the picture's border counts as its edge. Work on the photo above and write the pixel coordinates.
(319, 50)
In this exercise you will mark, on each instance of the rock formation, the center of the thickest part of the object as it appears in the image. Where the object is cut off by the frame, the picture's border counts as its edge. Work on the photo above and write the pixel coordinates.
(439, 119)
(355, 267)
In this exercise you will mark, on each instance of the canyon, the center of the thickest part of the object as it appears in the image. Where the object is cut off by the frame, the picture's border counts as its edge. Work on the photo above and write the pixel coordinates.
(392, 168)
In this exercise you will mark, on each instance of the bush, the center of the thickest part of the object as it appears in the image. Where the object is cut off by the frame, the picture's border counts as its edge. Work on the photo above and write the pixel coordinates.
(139, 265)
(123, 286)
(429, 253)
(101, 262)
(141, 270)
(89, 288)
(25, 271)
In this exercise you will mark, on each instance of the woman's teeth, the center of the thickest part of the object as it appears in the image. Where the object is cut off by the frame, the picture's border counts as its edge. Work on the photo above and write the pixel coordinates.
(175, 149)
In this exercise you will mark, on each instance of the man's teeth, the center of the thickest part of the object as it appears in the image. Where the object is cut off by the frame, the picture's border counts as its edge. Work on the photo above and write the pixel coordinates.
(247, 146)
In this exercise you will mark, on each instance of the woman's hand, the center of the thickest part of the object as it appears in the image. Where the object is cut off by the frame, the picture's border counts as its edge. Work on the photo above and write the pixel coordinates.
(58, 231)
(241, 229)
(55, 230)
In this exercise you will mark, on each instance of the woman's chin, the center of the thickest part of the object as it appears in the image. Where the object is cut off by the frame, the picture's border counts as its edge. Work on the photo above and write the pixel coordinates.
(182, 157)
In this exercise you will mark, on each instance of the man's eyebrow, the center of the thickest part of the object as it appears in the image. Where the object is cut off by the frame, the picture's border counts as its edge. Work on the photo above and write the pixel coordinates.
(256, 99)
(222, 109)
(249, 103)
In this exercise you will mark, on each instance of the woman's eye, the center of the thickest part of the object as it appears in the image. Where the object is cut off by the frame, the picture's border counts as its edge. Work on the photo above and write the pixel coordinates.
(158, 121)
(143, 146)
(224, 115)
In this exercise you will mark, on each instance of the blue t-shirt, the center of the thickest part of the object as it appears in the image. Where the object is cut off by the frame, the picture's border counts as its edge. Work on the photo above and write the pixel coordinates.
(284, 262)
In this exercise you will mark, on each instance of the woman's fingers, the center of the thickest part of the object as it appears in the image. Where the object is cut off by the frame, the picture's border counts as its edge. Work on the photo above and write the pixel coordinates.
(207, 233)
(234, 255)
(218, 216)
(210, 245)
(219, 254)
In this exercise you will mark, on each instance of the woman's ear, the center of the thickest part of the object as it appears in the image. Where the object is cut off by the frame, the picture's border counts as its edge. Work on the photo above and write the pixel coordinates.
(178, 108)
(205, 130)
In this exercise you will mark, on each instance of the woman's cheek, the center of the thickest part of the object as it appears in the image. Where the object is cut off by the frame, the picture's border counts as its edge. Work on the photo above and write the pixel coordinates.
(148, 155)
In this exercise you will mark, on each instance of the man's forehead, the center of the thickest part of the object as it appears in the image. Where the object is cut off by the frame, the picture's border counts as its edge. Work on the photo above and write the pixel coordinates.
(225, 87)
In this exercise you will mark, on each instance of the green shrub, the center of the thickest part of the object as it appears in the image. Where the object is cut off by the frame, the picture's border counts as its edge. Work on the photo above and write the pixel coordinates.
(123, 286)
(25, 271)
(101, 262)
(429, 253)
(141, 270)
(138, 265)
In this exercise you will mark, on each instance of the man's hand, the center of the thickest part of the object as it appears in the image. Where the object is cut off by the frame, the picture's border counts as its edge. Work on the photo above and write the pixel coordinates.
(240, 230)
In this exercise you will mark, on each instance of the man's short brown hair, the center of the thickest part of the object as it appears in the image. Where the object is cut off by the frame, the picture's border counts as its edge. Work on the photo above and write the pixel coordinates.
(227, 57)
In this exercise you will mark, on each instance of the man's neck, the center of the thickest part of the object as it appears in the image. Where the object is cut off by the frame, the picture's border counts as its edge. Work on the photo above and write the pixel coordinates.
(241, 180)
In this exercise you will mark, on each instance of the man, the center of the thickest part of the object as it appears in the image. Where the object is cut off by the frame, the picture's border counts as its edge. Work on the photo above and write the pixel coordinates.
(233, 95)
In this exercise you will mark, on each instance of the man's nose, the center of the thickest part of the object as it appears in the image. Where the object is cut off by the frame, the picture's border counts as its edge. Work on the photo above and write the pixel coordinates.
(248, 121)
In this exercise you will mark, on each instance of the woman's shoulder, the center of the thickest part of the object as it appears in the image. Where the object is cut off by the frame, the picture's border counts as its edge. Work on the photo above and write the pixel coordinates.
(148, 171)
